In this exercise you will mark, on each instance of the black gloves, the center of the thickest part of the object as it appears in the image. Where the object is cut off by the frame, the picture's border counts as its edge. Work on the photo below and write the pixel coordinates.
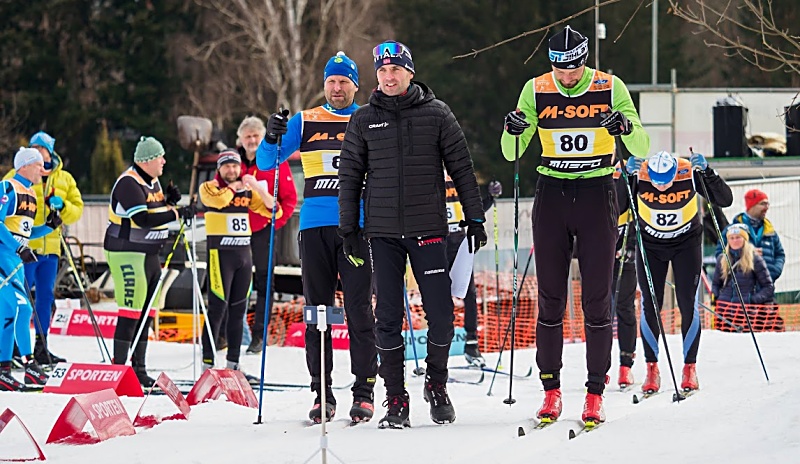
(26, 254)
(495, 188)
(515, 123)
(352, 248)
(475, 231)
(276, 126)
(53, 220)
(187, 213)
(172, 194)
(616, 123)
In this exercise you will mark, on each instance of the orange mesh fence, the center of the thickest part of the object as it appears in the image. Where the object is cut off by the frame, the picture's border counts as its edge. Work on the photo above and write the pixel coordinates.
(764, 318)
(494, 315)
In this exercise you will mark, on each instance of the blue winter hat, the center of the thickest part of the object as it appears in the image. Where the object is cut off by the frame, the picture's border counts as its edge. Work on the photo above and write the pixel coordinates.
(392, 52)
(44, 140)
(341, 65)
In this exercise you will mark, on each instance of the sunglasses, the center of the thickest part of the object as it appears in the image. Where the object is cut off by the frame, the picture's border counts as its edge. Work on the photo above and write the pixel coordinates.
(390, 49)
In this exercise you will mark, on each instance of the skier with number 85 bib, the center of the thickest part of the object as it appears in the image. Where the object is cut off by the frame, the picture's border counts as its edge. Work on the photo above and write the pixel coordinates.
(578, 112)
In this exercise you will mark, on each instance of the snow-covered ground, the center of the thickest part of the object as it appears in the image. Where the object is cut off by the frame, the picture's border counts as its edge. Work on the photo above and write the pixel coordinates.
(737, 417)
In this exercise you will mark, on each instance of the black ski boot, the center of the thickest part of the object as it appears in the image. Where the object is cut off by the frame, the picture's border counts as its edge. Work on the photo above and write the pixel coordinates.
(255, 345)
(472, 353)
(316, 411)
(145, 380)
(397, 414)
(442, 411)
(362, 410)
(34, 375)
(42, 353)
(7, 381)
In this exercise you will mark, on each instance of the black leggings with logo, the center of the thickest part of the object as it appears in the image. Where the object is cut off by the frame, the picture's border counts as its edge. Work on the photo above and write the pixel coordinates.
(566, 211)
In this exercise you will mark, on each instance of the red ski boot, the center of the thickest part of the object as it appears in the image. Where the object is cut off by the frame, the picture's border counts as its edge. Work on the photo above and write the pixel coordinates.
(689, 381)
(653, 381)
(593, 412)
(551, 408)
(625, 377)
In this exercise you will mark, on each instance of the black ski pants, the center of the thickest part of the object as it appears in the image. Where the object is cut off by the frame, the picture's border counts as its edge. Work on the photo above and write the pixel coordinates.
(686, 257)
(322, 264)
(259, 245)
(470, 299)
(625, 309)
(230, 273)
(428, 256)
(564, 211)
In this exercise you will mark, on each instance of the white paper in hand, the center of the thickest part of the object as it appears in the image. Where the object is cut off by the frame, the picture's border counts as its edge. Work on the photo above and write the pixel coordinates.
(461, 272)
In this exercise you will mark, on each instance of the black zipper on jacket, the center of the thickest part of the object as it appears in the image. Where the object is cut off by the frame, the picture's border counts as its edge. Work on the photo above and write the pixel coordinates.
(401, 200)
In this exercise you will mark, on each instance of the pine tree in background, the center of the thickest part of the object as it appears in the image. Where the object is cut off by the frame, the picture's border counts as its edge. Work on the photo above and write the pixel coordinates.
(107, 161)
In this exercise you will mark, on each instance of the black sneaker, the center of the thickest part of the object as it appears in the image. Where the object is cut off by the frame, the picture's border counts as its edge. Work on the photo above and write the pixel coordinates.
(255, 345)
(42, 353)
(397, 414)
(442, 411)
(316, 411)
(362, 410)
(222, 343)
(34, 375)
(473, 354)
(8, 382)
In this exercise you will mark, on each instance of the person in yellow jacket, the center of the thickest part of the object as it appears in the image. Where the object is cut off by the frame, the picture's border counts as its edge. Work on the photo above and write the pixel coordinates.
(57, 191)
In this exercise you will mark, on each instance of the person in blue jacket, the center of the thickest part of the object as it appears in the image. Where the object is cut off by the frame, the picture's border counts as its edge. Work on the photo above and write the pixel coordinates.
(761, 232)
(318, 134)
(17, 213)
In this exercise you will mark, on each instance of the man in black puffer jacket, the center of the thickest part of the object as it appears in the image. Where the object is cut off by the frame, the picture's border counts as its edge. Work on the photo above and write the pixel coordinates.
(393, 156)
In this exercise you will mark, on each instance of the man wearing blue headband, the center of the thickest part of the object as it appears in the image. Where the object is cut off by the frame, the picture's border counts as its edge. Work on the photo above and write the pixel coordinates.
(404, 139)
(579, 113)
(318, 133)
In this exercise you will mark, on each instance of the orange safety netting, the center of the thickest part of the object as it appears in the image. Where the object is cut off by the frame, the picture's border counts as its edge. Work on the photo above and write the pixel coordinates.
(494, 317)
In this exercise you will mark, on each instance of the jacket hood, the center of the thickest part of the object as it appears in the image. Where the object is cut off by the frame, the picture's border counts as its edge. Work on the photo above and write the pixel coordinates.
(417, 94)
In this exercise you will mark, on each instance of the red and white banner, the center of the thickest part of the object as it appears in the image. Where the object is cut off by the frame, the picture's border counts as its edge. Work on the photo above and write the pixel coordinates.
(5, 418)
(173, 393)
(296, 336)
(71, 378)
(216, 382)
(77, 321)
(102, 409)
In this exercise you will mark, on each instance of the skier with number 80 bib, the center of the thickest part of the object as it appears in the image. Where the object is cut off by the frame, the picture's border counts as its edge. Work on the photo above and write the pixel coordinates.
(578, 112)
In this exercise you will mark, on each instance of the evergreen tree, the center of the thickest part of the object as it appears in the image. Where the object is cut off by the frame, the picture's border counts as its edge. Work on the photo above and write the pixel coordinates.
(107, 161)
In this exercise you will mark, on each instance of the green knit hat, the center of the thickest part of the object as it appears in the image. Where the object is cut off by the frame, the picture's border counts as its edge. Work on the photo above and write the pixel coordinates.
(147, 149)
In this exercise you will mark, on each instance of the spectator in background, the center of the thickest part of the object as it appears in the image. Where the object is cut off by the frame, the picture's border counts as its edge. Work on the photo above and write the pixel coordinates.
(761, 232)
(251, 132)
(748, 267)
(57, 191)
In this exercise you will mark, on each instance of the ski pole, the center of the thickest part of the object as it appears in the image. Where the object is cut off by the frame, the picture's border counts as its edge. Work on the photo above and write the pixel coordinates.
(38, 324)
(509, 401)
(733, 274)
(508, 326)
(101, 343)
(13, 271)
(621, 261)
(497, 268)
(418, 371)
(268, 285)
(722, 318)
(648, 275)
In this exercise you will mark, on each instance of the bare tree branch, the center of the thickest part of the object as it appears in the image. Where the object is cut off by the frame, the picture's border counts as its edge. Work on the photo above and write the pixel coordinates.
(475, 53)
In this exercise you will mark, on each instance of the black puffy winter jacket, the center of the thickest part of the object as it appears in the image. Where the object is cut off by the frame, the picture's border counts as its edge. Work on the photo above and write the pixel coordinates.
(395, 149)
